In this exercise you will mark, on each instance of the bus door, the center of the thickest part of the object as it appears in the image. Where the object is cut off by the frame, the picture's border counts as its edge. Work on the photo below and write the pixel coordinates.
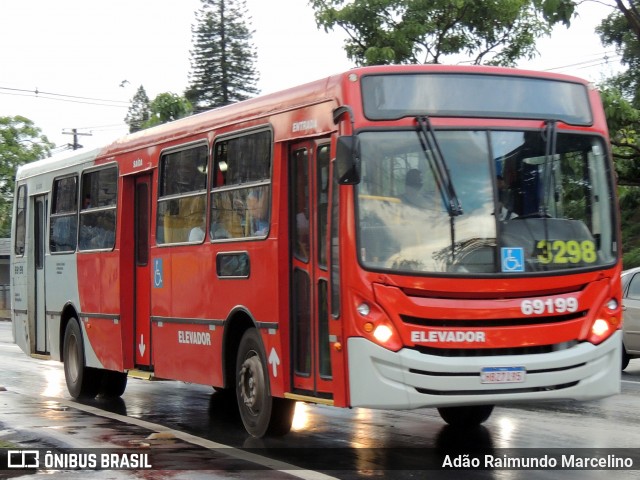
(308, 204)
(142, 286)
(39, 235)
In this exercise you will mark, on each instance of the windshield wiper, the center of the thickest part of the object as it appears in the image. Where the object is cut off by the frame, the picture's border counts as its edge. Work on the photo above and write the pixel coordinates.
(439, 166)
(550, 137)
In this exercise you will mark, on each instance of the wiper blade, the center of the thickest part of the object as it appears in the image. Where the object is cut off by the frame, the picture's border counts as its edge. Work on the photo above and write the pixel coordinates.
(550, 136)
(439, 165)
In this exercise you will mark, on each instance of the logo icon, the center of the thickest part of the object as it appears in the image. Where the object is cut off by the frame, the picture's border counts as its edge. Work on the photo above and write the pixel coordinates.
(158, 276)
(512, 259)
(23, 458)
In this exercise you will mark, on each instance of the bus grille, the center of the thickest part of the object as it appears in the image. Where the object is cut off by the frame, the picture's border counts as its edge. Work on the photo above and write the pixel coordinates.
(495, 322)
(487, 352)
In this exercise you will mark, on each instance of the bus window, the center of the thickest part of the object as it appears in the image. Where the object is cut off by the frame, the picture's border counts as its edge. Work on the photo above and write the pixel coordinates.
(182, 196)
(64, 218)
(300, 199)
(98, 210)
(323, 202)
(21, 208)
(241, 193)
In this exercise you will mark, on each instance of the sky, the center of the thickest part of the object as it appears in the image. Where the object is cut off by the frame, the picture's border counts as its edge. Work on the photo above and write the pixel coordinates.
(86, 59)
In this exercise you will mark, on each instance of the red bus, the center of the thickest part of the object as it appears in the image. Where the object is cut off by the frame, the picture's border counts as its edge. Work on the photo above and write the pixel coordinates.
(391, 237)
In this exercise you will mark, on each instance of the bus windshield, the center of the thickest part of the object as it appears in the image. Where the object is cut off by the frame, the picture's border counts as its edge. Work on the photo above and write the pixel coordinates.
(528, 204)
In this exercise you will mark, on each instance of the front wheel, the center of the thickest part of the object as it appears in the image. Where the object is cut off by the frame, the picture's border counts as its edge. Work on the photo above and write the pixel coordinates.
(261, 413)
(82, 381)
(113, 384)
(468, 416)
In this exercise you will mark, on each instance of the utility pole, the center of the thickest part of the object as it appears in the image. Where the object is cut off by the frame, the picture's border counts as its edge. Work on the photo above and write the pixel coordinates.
(74, 132)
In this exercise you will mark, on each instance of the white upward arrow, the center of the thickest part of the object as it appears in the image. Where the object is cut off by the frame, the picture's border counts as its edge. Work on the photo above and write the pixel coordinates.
(274, 361)
(142, 347)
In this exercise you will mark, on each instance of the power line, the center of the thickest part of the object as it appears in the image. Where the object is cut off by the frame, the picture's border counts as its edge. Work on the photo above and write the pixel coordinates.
(36, 91)
(61, 148)
(63, 97)
(602, 60)
(103, 127)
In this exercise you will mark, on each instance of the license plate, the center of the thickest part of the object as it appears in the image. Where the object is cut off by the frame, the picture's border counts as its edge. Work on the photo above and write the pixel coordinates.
(502, 374)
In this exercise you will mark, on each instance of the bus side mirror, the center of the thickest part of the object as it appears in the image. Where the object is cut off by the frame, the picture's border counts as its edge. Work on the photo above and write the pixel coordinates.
(348, 160)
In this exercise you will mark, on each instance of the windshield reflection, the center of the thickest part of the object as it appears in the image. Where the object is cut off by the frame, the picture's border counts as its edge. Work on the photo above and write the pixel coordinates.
(523, 207)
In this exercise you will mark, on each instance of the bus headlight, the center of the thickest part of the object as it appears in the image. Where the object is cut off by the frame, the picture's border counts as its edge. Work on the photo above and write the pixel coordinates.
(382, 333)
(374, 324)
(606, 322)
(600, 327)
(363, 309)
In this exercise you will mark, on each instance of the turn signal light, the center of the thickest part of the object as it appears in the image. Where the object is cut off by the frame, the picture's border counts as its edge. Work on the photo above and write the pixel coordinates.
(377, 327)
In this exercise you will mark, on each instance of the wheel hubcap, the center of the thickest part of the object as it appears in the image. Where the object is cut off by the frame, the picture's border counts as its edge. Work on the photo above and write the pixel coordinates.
(73, 358)
(251, 384)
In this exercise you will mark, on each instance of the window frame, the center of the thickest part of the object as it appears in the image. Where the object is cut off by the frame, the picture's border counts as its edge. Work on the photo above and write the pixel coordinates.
(167, 198)
(92, 210)
(249, 186)
(631, 294)
(53, 216)
(21, 194)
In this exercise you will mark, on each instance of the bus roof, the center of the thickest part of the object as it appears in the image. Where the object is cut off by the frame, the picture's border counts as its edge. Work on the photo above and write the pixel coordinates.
(59, 161)
(318, 91)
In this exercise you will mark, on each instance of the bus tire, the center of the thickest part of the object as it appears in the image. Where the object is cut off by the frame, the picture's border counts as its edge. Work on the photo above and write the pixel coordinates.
(82, 381)
(113, 384)
(261, 414)
(625, 358)
(468, 416)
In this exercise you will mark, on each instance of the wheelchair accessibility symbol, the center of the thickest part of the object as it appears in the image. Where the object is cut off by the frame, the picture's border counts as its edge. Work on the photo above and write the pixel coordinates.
(158, 277)
(512, 259)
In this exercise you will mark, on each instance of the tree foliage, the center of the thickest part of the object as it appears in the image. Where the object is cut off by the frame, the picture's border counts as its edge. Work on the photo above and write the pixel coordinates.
(223, 57)
(623, 120)
(497, 32)
(621, 99)
(621, 94)
(139, 112)
(167, 107)
(20, 142)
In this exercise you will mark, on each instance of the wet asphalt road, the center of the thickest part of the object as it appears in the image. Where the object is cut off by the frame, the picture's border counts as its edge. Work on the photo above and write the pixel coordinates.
(193, 432)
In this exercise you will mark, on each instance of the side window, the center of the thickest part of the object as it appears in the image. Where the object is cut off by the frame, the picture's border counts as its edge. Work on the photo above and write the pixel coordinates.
(182, 196)
(241, 193)
(634, 288)
(20, 223)
(98, 209)
(64, 215)
(322, 162)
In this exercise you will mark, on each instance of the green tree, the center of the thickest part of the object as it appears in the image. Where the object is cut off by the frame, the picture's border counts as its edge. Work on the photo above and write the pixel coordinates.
(426, 31)
(223, 57)
(167, 107)
(621, 94)
(621, 99)
(139, 111)
(623, 120)
(20, 142)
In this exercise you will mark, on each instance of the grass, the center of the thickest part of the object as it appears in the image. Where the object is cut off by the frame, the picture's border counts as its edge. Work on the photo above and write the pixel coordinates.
(5, 444)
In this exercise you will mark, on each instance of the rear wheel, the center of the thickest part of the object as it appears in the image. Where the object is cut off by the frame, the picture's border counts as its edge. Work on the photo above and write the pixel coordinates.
(468, 416)
(113, 384)
(261, 413)
(82, 381)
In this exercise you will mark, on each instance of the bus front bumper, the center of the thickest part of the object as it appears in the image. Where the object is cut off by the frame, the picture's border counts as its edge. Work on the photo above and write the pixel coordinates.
(407, 379)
